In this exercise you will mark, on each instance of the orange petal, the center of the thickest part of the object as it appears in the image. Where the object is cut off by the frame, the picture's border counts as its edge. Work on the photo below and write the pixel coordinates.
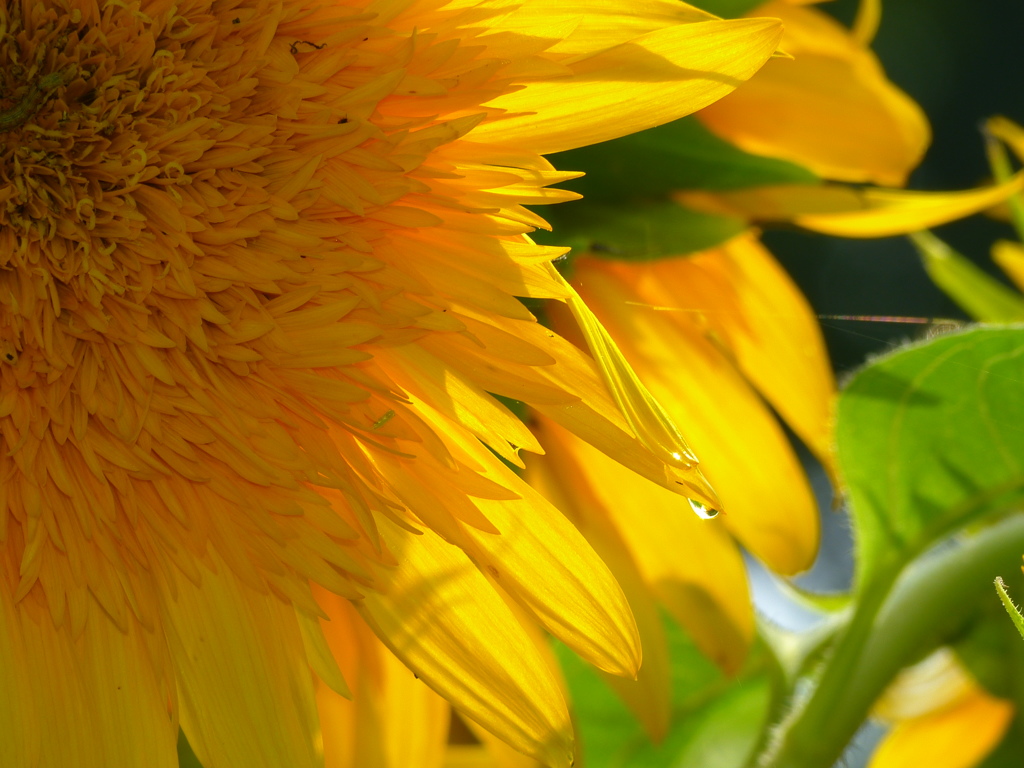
(238, 655)
(393, 720)
(96, 699)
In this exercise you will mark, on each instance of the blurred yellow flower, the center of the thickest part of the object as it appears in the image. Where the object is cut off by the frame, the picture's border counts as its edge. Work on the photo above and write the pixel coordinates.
(260, 268)
(829, 108)
(939, 716)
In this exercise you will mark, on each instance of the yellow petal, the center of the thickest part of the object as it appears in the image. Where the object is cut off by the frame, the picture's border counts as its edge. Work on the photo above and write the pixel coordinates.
(650, 80)
(830, 108)
(19, 723)
(524, 544)
(644, 414)
(867, 21)
(97, 699)
(244, 683)
(393, 720)
(959, 736)
(558, 478)
(598, 24)
(1010, 258)
(440, 616)
(691, 565)
(1007, 130)
(766, 497)
(591, 413)
(850, 212)
(747, 303)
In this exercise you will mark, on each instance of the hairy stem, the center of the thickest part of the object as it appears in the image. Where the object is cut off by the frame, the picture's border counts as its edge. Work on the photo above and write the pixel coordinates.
(927, 603)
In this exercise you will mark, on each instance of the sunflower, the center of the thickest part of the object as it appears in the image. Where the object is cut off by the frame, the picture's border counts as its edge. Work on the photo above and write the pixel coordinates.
(260, 263)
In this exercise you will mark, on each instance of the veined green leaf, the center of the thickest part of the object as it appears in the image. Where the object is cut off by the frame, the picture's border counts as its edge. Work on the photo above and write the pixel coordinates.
(930, 440)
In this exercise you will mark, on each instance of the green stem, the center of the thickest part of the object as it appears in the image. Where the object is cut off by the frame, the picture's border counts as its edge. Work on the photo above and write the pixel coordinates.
(926, 604)
(1013, 610)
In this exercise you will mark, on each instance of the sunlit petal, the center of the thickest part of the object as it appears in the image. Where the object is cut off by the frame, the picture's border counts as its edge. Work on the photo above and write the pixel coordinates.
(829, 108)
(850, 211)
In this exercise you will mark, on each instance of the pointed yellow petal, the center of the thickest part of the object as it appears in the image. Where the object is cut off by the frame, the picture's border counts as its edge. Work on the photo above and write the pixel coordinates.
(850, 212)
(1009, 131)
(554, 475)
(867, 21)
(1010, 258)
(594, 416)
(245, 686)
(829, 108)
(547, 566)
(393, 720)
(598, 24)
(652, 79)
(765, 495)
(959, 736)
(691, 565)
(440, 616)
(748, 304)
(19, 723)
(98, 698)
(644, 414)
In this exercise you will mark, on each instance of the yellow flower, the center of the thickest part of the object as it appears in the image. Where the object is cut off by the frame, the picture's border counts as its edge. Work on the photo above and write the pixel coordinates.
(939, 716)
(829, 108)
(259, 268)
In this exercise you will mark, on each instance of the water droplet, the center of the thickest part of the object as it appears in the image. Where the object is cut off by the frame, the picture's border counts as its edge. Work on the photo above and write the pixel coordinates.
(704, 512)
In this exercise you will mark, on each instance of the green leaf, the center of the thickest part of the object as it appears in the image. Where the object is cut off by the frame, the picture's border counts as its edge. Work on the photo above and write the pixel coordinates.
(929, 440)
(637, 232)
(980, 295)
(627, 212)
(715, 721)
(682, 154)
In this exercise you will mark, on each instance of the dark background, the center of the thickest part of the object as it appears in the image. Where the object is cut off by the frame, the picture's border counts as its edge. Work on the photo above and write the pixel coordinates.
(962, 61)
